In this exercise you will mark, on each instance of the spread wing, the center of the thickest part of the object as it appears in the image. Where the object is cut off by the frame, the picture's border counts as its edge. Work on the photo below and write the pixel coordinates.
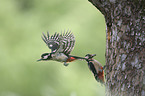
(60, 42)
(52, 42)
(68, 42)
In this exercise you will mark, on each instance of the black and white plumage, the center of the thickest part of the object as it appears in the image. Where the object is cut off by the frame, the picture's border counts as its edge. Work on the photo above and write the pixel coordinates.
(61, 46)
(60, 42)
(96, 67)
(51, 41)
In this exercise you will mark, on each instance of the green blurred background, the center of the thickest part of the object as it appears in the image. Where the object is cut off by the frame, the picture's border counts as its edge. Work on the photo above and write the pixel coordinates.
(21, 25)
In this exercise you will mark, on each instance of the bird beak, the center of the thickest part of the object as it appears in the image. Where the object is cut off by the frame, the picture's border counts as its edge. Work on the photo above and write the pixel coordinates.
(93, 55)
(39, 59)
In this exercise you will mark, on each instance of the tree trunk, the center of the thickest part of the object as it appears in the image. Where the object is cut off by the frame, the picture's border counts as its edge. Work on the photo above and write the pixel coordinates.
(125, 46)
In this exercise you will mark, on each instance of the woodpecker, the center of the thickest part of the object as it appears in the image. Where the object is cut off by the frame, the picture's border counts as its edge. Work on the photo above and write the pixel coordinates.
(61, 45)
(95, 67)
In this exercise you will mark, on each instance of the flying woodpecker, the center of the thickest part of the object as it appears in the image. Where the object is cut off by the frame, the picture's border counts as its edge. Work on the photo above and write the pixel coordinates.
(95, 67)
(61, 45)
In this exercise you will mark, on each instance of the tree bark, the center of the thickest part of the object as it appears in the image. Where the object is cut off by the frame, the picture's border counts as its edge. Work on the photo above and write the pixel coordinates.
(125, 46)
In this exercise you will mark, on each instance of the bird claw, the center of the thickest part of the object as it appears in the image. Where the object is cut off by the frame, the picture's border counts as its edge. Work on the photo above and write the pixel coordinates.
(65, 64)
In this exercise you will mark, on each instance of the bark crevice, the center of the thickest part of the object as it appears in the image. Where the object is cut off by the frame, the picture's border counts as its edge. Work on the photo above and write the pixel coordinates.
(125, 46)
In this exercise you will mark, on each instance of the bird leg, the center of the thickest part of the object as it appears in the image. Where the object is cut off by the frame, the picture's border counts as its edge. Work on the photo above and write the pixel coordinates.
(65, 64)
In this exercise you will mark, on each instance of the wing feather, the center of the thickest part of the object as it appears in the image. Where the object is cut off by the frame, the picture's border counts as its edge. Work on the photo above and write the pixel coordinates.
(68, 42)
(51, 41)
(63, 42)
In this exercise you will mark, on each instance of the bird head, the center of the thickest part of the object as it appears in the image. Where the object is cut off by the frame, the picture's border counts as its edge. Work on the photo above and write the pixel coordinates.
(90, 56)
(45, 56)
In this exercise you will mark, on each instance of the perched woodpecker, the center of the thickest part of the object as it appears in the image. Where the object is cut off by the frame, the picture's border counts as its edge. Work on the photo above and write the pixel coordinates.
(95, 67)
(61, 45)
